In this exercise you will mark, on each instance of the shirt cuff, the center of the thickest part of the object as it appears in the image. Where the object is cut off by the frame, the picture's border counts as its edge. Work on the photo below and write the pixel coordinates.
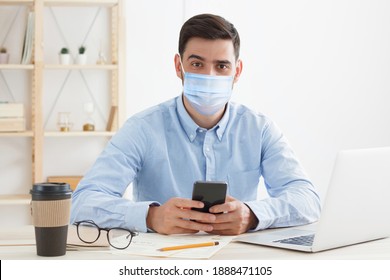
(259, 209)
(152, 205)
(137, 213)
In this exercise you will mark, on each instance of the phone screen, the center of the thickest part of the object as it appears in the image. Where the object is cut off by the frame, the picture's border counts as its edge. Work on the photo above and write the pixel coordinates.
(210, 193)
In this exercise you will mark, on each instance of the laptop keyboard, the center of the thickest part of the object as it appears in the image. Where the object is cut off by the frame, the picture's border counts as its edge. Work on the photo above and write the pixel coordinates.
(304, 240)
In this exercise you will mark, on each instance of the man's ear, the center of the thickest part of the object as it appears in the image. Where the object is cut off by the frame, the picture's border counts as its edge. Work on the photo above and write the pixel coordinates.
(238, 70)
(178, 69)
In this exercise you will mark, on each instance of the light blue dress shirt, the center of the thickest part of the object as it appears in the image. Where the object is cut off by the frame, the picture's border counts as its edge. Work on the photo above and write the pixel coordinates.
(163, 152)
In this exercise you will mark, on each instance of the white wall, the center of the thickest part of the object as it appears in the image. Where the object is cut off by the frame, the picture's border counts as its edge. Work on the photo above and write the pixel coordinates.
(152, 34)
(320, 69)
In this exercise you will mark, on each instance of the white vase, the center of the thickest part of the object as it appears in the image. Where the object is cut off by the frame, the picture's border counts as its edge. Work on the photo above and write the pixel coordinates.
(65, 59)
(4, 58)
(82, 59)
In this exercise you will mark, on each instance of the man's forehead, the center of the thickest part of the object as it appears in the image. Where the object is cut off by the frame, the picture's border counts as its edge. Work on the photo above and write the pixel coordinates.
(209, 50)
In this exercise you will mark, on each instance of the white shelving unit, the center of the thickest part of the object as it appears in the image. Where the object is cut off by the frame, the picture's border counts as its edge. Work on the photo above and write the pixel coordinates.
(115, 69)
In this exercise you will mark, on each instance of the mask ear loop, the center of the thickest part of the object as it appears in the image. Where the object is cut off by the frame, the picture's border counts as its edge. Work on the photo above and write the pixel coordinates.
(182, 71)
(181, 67)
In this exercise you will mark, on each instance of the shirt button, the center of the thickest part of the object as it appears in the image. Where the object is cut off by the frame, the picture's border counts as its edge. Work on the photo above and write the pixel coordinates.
(208, 149)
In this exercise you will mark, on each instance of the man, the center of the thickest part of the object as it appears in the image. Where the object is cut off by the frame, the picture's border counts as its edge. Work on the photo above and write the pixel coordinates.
(199, 135)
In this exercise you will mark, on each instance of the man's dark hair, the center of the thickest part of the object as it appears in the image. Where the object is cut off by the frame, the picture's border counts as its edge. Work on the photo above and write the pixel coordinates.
(211, 27)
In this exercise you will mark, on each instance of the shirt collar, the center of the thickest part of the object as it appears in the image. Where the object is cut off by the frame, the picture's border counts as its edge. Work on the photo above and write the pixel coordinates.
(191, 128)
(222, 124)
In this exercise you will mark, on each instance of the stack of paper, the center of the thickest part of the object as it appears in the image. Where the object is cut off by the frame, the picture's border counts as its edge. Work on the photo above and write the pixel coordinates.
(149, 244)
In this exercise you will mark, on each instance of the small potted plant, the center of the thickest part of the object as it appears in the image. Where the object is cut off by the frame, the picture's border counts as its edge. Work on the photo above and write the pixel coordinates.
(82, 57)
(64, 56)
(4, 56)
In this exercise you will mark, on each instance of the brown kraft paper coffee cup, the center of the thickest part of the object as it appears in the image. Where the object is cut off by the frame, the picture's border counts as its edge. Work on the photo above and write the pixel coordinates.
(50, 208)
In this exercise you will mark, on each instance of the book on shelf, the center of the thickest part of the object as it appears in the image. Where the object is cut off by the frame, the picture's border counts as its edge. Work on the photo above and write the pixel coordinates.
(111, 118)
(28, 40)
(12, 124)
(11, 110)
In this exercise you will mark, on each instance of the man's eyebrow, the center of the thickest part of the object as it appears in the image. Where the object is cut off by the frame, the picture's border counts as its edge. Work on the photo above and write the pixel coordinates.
(196, 57)
(223, 61)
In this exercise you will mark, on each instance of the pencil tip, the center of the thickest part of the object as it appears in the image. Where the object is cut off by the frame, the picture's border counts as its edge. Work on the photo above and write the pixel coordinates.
(216, 243)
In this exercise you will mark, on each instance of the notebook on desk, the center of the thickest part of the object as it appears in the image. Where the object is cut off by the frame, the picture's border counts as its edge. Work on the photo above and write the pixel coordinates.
(356, 208)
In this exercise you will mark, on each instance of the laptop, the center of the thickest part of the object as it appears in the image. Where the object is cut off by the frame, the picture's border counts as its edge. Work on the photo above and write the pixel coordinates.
(356, 208)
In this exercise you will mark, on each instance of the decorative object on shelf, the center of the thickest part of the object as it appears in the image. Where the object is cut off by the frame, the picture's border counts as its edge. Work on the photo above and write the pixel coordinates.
(82, 56)
(64, 123)
(4, 56)
(64, 56)
(102, 58)
(89, 124)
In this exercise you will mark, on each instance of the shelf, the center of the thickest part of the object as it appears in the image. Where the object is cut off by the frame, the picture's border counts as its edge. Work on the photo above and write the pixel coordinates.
(72, 3)
(81, 67)
(27, 133)
(16, 2)
(15, 199)
(78, 133)
(16, 67)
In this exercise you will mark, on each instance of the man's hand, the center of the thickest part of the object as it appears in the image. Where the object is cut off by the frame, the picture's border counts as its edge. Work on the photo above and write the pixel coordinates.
(236, 218)
(176, 216)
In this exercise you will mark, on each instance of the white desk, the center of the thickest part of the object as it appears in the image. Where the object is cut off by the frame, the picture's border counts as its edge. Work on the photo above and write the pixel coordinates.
(374, 250)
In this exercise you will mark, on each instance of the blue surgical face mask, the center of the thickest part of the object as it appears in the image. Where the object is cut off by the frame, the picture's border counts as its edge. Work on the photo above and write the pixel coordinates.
(207, 94)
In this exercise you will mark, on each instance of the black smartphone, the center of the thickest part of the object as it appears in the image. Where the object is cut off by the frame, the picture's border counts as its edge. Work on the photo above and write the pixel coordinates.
(210, 193)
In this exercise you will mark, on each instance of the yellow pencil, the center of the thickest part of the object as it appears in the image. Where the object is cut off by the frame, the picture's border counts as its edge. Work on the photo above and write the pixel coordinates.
(187, 246)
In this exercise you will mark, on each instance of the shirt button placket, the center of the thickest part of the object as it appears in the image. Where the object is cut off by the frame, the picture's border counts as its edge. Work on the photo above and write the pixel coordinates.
(209, 155)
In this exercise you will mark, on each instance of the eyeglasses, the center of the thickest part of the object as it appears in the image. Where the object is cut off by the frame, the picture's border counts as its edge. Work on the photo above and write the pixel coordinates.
(119, 238)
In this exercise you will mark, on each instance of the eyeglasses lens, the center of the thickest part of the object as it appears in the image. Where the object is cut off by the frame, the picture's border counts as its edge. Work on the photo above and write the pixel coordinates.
(88, 232)
(119, 238)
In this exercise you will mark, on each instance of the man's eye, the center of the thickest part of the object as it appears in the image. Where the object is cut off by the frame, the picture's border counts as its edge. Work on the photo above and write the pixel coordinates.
(223, 66)
(196, 64)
